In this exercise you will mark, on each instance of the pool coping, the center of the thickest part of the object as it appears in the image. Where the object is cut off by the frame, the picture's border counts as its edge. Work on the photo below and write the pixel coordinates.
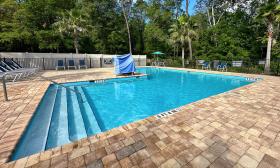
(130, 126)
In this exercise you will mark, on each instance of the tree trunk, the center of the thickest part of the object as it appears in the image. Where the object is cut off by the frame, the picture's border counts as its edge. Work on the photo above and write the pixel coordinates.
(76, 46)
(187, 7)
(183, 57)
(209, 18)
(269, 45)
(213, 15)
(128, 30)
(190, 48)
(76, 41)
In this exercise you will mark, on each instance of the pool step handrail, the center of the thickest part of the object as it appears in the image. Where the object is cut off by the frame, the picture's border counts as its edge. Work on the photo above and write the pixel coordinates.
(67, 88)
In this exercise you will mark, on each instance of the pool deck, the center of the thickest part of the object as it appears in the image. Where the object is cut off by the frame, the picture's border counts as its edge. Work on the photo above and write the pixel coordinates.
(239, 128)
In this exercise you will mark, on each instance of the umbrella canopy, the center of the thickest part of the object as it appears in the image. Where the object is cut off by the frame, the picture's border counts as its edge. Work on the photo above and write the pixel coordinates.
(157, 53)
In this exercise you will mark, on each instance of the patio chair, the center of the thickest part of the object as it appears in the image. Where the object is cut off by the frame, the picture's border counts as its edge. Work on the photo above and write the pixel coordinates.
(13, 75)
(14, 67)
(200, 62)
(15, 63)
(154, 63)
(71, 64)
(206, 66)
(162, 63)
(14, 71)
(60, 64)
(82, 63)
(222, 66)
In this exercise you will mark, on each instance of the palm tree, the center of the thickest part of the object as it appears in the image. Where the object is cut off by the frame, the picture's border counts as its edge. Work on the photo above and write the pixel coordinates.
(182, 32)
(173, 42)
(73, 23)
(269, 11)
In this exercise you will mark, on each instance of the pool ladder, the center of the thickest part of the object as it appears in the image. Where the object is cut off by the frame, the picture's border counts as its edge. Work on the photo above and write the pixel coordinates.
(67, 88)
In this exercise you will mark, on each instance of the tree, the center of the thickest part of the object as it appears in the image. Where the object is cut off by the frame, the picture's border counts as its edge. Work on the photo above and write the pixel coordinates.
(269, 11)
(74, 23)
(126, 8)
(187, 7)
(189, 41)
(138, 22)
(8, 25)
(182, 32)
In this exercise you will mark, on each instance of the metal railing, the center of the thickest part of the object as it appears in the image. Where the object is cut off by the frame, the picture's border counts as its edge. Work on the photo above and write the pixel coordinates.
(67, 88)
(5, 87)
(4, 82)
(47, 79)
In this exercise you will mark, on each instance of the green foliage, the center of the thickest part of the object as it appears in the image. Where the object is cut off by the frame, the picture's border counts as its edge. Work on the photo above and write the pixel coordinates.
(239, 32)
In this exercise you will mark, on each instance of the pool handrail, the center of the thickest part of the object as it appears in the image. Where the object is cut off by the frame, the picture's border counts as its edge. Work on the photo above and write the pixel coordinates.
(67, 88)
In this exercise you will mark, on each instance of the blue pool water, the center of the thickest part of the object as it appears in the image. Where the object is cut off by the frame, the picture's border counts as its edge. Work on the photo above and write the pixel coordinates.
(63, 116)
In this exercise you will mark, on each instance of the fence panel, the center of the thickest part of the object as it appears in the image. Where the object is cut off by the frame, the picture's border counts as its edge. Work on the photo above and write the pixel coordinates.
(48, 61)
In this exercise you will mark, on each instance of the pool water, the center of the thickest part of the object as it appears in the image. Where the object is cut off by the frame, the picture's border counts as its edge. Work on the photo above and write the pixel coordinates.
(64, 116)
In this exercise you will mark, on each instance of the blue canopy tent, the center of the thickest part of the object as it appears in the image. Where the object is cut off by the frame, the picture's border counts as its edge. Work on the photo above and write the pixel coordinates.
(124, 64)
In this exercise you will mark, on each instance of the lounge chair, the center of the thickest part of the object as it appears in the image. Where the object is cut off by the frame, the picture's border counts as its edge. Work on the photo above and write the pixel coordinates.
(222, 67)
(60, 64)
(12, 66)
(15, 63)
(200, 62)
(71, 64)
(13, 75)
(82, 63)
(206, 66)
(13, 70)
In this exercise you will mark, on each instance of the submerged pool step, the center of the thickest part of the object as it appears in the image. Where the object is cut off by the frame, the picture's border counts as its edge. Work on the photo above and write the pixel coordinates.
(60, 118)
(77, 128)
(58, 132)
(90, 121)
(35, 136)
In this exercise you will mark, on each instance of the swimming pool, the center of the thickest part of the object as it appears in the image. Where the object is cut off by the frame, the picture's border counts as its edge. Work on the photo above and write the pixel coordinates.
(64, 116)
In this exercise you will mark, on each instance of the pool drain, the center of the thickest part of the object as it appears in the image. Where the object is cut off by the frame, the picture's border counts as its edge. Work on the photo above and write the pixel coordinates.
(168, 113)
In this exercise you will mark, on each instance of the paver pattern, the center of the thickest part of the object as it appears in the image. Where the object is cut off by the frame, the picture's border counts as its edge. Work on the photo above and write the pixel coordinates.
(239, 128)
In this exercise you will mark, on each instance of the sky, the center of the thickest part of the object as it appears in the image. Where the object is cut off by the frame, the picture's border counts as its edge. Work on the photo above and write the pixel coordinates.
(191, 6)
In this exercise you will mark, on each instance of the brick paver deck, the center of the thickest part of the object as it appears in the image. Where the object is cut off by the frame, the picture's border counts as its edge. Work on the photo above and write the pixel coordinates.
(239, 128)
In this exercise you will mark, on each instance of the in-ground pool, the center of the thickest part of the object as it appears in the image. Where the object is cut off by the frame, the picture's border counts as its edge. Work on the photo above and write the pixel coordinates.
(64, 116)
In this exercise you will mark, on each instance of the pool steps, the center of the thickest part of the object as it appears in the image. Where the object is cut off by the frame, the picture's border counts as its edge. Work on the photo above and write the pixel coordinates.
(77, 128)
(58, 132)
(66, 120)
(90, 121)
(35, 136)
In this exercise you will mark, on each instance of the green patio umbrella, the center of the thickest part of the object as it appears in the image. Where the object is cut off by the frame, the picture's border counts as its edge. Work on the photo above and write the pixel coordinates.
(157, 53)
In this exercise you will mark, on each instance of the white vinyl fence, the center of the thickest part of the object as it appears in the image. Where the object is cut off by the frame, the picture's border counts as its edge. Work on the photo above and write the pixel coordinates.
(48, 61)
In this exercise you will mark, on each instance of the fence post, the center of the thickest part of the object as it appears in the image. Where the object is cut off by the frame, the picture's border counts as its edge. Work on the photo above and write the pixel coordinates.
(101, 61)
(89, 62)
(65, 62)
(44, 68)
